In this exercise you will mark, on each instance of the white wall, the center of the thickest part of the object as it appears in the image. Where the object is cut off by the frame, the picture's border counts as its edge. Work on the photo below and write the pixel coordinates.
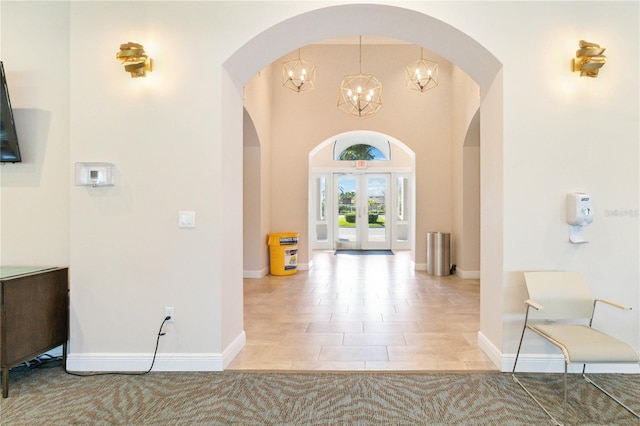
(565, 133)
(129, 258)
(251, 206)
(176, 142)
(34, 213)
(257, 169)
(465, 146)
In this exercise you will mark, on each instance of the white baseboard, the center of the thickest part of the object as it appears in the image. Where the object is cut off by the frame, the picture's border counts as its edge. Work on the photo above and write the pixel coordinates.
(490, 350)
(468, 275)
(142, 362)
(465, 275)
(164, 361)
(545, 363)
(255, 274)
(233, 349)
(265, 271)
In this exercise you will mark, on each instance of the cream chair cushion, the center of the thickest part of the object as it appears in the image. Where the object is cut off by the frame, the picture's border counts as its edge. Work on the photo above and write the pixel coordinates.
(584, 344)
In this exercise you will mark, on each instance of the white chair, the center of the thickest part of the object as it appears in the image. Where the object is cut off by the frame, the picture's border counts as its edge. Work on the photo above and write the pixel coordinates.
(563, 310)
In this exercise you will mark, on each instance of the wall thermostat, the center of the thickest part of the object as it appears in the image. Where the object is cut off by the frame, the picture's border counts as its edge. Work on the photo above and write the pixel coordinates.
(94, 174)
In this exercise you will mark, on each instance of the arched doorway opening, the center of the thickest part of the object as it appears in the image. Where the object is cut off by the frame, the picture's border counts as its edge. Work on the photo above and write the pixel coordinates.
(381, 185)
(394, 22)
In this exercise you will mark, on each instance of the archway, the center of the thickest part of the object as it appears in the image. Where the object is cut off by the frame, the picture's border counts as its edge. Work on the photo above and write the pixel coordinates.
(393, 22)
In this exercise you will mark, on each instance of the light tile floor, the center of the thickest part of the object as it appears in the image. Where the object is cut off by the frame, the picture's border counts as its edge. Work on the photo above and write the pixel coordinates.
(361, 313)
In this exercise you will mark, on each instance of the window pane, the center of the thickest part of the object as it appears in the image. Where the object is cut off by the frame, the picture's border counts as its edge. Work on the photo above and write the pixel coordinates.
(361, 152)
(401, 200)
(322, 198)
(402, 210)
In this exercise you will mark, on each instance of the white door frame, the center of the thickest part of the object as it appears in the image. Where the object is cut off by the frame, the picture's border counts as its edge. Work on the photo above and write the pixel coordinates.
(362, 232)
(323, 228)
(320, 230)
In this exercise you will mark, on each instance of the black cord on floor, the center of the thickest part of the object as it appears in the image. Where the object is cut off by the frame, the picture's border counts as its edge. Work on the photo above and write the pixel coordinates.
(133, 373)
(41, 361)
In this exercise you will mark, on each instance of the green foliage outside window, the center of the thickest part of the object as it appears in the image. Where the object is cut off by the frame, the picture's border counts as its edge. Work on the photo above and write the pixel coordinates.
(361, 152)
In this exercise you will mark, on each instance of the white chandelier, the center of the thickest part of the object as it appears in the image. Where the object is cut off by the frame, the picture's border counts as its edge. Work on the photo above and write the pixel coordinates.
(422, 75)
(360, 94)
(298, 75)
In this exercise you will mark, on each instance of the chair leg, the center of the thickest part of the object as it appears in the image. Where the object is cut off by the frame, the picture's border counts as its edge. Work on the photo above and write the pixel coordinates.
(515, 362)
(564, 409)
(513, 374)
(589, 380)
(536, 400)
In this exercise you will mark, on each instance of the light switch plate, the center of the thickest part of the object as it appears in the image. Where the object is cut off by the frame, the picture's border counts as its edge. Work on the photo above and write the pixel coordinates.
(187, 219)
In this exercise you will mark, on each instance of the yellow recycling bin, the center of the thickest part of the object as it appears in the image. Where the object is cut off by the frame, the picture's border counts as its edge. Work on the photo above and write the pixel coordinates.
(283, 253)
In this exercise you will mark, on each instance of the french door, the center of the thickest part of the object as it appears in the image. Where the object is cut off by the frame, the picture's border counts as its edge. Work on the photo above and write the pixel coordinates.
(365, 210)
(360, 213)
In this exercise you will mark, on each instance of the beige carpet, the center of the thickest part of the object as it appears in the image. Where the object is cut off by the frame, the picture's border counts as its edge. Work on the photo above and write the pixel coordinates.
(48, 396)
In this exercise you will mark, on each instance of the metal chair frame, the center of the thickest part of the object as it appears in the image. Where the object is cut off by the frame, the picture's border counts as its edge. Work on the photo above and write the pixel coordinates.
(537, 307)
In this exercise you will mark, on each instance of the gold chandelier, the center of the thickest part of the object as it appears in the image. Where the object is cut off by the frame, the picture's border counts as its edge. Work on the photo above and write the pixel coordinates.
(360, 94)
(298, 75)
(422, 75)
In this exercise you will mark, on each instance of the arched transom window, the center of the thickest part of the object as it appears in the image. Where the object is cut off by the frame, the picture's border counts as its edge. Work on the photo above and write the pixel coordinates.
(361, 145)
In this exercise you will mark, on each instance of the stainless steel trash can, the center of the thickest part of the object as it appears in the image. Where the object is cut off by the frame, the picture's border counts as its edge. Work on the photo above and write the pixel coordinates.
(438, 253)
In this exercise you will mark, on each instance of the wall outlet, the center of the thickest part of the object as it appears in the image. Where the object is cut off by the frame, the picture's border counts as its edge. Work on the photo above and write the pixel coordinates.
(169, 311)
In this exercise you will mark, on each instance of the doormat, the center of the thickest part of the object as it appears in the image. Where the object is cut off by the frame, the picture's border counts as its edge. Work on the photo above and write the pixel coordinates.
(365, 252)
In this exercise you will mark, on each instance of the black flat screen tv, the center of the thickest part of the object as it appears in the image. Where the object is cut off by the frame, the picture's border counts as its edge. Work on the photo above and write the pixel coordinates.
(9, 149)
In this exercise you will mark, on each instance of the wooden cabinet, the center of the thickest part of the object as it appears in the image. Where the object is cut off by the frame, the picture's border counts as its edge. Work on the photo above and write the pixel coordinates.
(34, 315)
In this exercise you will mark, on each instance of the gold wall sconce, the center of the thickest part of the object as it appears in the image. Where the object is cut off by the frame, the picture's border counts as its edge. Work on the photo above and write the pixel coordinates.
(135, 60)
(589, 59)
